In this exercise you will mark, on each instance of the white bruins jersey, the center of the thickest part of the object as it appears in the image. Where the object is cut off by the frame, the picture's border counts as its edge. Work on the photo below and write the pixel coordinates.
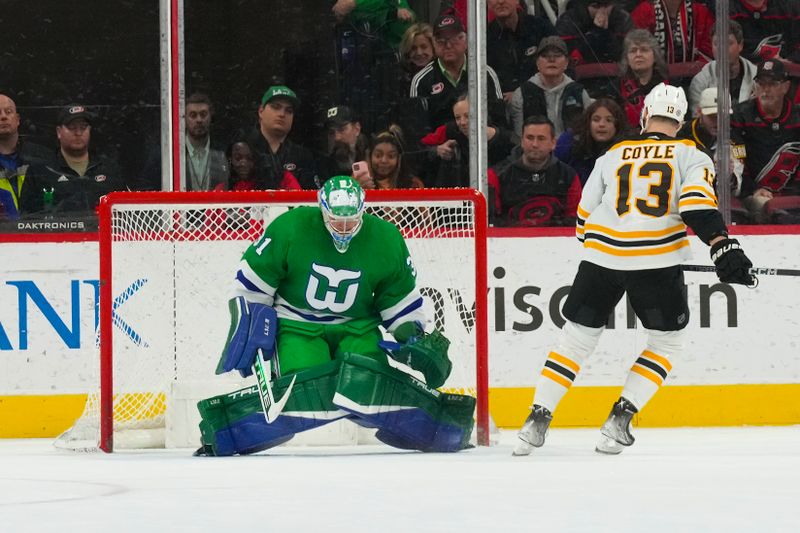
(629, 217)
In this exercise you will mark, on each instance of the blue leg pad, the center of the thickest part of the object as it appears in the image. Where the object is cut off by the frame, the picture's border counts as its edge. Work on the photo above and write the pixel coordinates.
(408, 414)
(252, 434)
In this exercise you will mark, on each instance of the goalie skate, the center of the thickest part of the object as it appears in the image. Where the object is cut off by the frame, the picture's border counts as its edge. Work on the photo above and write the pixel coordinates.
(616, 431)
(534, 430)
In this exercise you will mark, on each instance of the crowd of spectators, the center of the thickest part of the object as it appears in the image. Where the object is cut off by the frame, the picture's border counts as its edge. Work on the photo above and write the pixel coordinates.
(561, 90)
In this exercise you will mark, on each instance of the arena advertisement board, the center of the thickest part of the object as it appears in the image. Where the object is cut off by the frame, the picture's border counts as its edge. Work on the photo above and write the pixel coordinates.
(49, 294)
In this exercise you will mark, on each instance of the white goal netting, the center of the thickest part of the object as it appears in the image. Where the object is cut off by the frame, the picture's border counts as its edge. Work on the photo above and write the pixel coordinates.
(168, 262)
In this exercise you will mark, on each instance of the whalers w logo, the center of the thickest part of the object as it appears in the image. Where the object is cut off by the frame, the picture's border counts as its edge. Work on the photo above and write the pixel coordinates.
(330, 289)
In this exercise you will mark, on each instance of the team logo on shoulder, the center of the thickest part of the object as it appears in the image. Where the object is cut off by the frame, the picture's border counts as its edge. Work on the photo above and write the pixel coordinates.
(100, 178)
(290, 167)
(330, 289)
(781, 167)
(769, 47)
(436, 89)
(532, 50)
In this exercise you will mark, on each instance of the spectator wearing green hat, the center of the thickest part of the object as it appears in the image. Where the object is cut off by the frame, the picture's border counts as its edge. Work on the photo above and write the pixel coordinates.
(275, 154)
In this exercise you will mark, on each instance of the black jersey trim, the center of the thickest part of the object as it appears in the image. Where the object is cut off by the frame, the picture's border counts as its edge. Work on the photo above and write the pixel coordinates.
(635, 244)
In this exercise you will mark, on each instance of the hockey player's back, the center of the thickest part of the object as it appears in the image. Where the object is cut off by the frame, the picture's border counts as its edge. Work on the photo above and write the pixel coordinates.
(629, 216)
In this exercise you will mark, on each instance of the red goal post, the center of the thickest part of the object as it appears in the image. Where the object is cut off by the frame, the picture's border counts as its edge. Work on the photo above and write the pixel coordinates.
(444, 228)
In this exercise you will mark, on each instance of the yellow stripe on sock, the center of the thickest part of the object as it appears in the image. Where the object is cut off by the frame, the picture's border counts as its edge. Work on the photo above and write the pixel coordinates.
(566, 361)
(561, 380)
(647, 373)
(660, 359)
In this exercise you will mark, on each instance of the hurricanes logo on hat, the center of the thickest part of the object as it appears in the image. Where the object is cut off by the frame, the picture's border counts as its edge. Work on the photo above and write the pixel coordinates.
(332, 112)
(447, 21)
(76, 109)
(768, 65)
(436, 89)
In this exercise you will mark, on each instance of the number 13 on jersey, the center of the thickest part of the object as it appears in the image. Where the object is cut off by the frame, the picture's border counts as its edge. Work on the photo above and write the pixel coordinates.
(650, 198)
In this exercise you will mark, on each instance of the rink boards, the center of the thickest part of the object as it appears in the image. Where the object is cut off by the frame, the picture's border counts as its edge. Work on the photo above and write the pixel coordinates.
(740, 366)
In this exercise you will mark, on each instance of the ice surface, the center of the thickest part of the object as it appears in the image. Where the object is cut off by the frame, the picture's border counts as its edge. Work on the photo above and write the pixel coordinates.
(704, 480)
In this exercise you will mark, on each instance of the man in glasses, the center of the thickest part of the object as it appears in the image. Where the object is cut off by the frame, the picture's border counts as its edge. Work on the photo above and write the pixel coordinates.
(766, 131)
(439, 84)
(75, 181)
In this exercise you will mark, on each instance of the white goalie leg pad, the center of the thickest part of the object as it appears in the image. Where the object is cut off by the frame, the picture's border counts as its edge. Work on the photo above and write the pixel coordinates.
(651, 368)
(563, 363)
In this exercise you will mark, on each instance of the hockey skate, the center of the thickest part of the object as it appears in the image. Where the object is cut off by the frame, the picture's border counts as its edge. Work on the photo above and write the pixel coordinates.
(533, 431)
(616, 432)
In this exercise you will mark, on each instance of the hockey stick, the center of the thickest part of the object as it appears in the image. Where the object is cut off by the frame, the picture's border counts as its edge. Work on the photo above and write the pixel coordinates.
(760, 271)
(272, 409)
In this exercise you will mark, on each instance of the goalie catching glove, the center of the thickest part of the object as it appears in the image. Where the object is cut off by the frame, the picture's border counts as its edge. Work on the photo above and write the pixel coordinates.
(425, 352)
(253, 328)
(731, 263)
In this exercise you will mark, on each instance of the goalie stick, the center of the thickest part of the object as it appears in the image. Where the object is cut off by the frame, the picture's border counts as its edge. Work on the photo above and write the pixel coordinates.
(760, 271)
(263, 370)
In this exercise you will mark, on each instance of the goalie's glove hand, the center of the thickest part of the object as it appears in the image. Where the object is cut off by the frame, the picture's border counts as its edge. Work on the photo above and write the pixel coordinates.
(426, 353)
(253, 327)
(731, 263)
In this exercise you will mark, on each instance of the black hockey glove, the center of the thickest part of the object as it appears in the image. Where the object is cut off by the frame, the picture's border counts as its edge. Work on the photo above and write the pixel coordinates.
(731, 263)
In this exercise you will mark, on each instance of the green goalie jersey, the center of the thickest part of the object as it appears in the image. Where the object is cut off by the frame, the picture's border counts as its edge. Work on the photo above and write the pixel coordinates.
(295, 267)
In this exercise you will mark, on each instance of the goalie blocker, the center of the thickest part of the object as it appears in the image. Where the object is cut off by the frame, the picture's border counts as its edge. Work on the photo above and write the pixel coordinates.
(407, 413)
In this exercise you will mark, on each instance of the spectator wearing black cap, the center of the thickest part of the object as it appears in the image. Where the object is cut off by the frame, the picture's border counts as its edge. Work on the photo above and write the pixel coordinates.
(767, 128)
(16, 156)
(75, 181)
(550, 92)
(347, 143)
(511, 43)
(275, 154)
(437, 85)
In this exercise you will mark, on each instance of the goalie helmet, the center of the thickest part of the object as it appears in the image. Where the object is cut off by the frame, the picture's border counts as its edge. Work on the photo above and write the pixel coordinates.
(664, 101)
(341, 201)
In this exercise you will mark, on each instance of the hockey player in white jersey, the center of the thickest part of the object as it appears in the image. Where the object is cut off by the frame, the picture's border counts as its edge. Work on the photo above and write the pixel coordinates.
(632, 220)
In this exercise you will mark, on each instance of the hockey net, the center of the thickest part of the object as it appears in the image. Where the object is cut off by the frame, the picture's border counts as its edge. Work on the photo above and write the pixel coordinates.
(167, 262)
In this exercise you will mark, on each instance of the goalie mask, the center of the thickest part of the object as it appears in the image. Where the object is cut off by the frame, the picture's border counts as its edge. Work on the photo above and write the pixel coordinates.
(341, 201)
(664, 101)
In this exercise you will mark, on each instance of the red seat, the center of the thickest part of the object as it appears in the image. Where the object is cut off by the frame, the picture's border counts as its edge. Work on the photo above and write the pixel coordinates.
(739, 215)
(784, 210)
(783, 202)
(684, 70)
(596, 70)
